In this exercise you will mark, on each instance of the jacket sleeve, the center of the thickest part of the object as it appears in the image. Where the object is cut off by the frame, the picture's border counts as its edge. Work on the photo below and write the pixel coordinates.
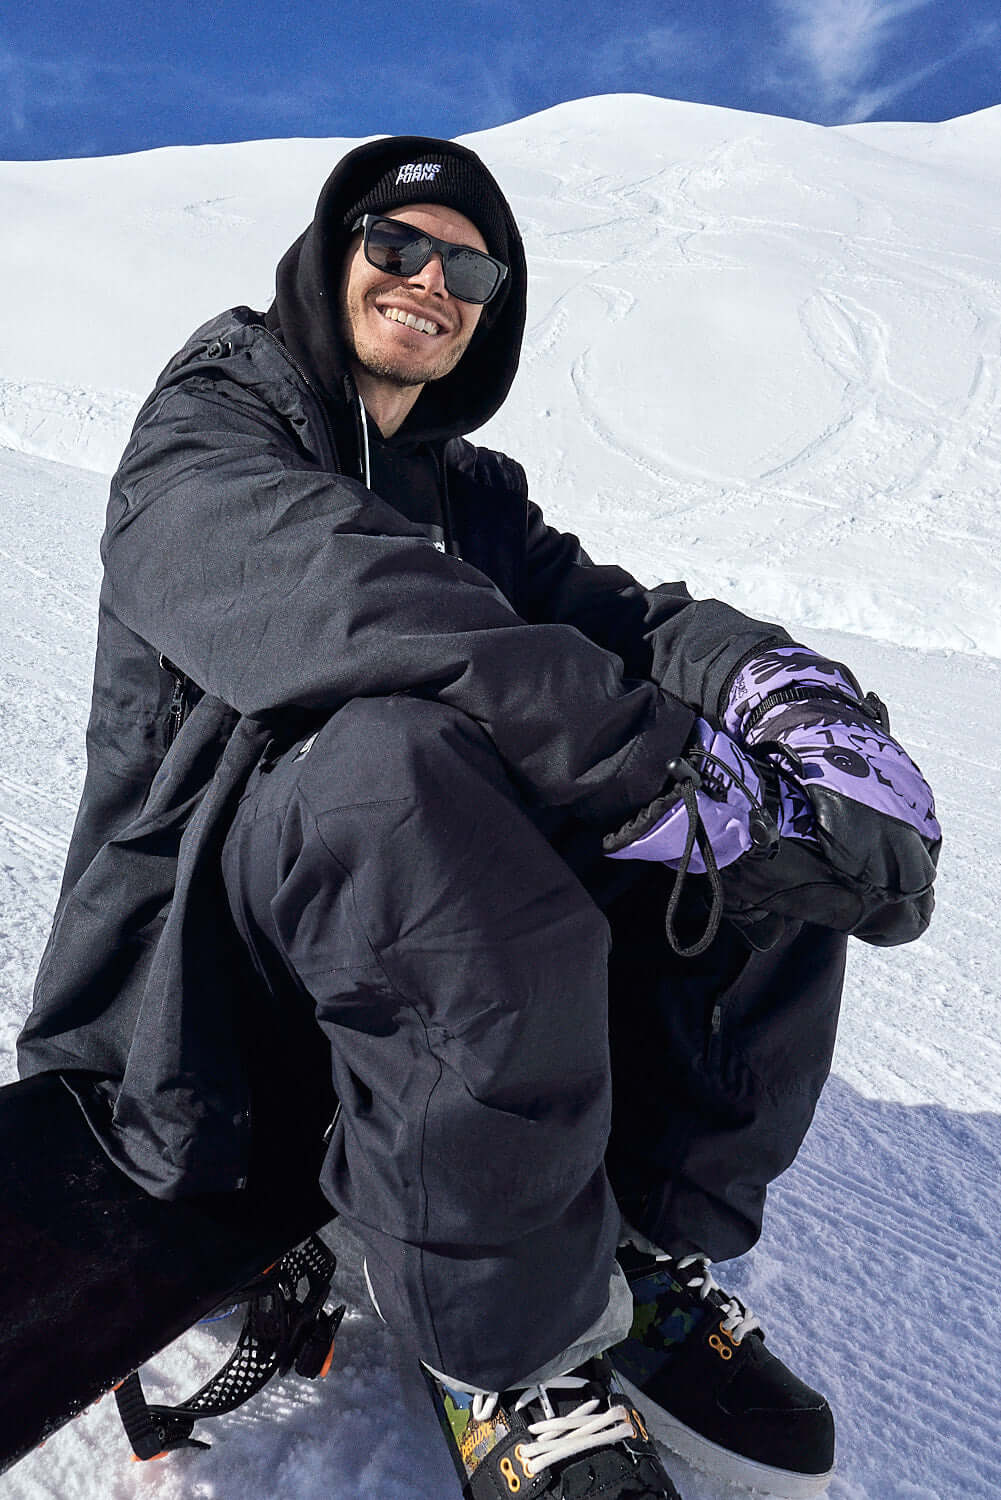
(275, 585)
(691, 648)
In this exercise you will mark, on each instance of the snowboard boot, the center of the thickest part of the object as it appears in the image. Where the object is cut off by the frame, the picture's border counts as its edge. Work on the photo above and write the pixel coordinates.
(695, 1360)
(575, 1437)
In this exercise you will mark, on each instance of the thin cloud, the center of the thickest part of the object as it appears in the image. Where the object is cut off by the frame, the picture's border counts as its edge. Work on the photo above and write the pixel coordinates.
(465, 95)
(34, 92)
(658, 47)
(13, 92)
(841, 42)
(871, 100)
(32, 87)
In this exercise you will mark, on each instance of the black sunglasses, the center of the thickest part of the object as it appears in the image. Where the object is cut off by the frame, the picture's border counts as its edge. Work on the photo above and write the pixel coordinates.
(403, 250)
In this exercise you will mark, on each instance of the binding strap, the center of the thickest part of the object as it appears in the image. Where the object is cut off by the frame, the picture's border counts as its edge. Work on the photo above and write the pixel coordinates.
(286, 1325)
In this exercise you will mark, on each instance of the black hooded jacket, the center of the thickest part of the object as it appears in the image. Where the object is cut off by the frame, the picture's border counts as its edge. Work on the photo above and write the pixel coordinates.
(254, 585)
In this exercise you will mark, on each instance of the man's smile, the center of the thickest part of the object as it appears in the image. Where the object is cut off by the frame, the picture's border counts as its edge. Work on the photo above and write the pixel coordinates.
(420, 322)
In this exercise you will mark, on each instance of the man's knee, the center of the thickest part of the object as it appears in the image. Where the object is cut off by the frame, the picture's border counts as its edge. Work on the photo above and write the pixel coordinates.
(376, 749)
(408, 803)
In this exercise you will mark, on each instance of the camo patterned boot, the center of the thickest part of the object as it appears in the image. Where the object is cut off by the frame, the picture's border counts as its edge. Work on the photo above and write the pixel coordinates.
(696, 1363)
(575, 1437)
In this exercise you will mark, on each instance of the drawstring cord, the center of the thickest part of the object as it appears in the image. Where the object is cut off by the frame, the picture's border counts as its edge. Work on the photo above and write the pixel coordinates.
(764, 838)
(696, 835)
(354, 400)
(366, 460)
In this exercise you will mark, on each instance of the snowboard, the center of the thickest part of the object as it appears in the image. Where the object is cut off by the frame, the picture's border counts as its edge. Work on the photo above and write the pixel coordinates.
(96, 1275)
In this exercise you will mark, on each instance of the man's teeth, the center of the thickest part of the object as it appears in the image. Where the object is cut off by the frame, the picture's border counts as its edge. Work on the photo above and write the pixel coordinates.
(397, 315)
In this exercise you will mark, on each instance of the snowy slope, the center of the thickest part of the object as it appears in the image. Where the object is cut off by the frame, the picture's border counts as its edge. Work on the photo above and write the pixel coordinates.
(761, 356)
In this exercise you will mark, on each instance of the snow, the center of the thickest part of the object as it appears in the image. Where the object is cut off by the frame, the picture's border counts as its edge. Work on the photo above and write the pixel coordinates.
(762, 356)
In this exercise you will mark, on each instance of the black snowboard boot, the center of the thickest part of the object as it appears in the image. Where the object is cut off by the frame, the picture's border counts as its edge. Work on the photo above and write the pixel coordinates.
(576, 1437)
(696, 1362)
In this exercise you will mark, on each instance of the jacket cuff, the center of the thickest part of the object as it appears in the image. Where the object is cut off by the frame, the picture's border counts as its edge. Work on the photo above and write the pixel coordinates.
(642, 775)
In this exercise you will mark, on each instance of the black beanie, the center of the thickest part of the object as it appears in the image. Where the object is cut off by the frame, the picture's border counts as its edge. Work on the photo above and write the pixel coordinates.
(441, 177)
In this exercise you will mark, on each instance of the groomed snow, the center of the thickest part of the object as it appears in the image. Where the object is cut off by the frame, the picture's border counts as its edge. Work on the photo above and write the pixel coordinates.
(761, 356)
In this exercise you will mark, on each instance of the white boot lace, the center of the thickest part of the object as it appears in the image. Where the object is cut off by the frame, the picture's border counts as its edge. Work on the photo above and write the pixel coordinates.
(738, 1321)
(556, 1437)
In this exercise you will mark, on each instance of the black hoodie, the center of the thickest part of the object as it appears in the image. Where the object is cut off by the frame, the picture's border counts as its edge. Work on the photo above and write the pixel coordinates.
(306, 317)
(407, 468)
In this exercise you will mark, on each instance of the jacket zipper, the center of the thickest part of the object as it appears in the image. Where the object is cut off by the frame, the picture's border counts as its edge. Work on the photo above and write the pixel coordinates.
(325, 422)
(451, 546)
(177, 711)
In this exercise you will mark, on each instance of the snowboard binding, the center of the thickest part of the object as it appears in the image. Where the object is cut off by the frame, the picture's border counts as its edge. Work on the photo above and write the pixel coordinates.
(286, 1326)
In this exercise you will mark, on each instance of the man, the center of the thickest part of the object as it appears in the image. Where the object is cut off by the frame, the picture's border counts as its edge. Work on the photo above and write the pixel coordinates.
(416, 724)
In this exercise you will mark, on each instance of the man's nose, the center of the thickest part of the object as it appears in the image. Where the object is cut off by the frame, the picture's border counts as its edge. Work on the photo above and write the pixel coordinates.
(430, 278)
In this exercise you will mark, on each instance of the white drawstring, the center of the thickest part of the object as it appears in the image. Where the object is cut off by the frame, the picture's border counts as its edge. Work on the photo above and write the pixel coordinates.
(556, 1437)
(365, 453)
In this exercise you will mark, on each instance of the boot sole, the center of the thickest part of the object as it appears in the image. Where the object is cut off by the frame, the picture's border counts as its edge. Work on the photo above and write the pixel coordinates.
(722, 1463)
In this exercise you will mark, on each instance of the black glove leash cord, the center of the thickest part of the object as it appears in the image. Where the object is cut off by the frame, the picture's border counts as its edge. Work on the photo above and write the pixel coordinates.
(696, 834)
(764, 837)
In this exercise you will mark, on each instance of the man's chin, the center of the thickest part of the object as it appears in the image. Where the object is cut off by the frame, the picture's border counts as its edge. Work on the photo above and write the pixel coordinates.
(406, 373)
(406, 367)
(403, 376)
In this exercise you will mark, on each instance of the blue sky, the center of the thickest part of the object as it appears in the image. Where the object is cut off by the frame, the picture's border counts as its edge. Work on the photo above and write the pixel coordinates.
(101, 78)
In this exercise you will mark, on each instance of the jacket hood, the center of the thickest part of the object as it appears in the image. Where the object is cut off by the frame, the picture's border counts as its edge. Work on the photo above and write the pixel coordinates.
(305, 312)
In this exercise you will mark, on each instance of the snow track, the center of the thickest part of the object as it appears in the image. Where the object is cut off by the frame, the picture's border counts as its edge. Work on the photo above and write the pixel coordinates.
(83, 427)
(908, 1235)
(760, 356)
(49, 571)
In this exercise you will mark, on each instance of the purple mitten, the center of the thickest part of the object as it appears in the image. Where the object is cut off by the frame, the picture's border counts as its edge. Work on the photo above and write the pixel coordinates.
(783, 675)
(729, 799)
(874, 813)
(809, 715)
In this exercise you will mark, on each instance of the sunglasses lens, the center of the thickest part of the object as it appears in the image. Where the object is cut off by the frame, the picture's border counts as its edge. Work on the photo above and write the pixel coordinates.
(471, 276)
(397, 248)
(402, 250)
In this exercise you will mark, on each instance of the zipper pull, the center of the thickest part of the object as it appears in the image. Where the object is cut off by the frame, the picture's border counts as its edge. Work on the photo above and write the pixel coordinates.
(177, 711)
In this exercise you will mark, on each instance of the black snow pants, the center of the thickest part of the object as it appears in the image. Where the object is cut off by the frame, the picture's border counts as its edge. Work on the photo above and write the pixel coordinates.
(518, 1055)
